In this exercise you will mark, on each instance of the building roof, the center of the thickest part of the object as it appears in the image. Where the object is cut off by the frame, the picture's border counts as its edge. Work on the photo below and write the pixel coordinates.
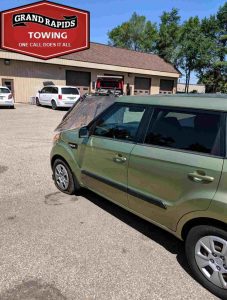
(205, 101)
(104, 54)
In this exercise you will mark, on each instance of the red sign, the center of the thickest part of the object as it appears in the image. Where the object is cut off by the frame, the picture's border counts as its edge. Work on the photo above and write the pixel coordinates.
(45, 29)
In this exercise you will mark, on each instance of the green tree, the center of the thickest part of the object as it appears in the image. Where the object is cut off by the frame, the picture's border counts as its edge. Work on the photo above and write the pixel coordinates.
(168, 36)
(222, 22)
(195, 49)
(214, 80)
(214, 74)
(137, 34)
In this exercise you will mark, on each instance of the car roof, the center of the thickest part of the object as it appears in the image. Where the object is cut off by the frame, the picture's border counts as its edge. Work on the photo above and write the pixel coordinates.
(205, 101)
(5, 87)
(61, 86)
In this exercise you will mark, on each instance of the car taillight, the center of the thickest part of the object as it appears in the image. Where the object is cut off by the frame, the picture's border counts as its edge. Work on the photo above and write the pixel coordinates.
(60, 97)
(10, 96)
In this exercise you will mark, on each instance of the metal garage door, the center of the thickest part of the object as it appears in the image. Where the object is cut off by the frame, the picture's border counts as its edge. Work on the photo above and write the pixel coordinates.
(142, 86)
(166, 86)
(79, 79)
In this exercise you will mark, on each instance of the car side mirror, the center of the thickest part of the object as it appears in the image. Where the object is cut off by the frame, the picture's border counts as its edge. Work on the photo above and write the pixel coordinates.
(39, 92)
(83, 132)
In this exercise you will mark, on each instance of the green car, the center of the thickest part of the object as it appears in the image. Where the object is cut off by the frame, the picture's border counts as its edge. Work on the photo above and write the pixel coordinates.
(162, 158)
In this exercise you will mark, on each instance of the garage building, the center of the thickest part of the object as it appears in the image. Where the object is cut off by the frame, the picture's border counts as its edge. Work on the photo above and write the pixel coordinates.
(144, 73)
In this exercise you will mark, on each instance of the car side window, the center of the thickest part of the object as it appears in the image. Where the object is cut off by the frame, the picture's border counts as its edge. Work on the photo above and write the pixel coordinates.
(186, 130)
(54, 90)
(121, 123)
(43, 91)
(48, 90)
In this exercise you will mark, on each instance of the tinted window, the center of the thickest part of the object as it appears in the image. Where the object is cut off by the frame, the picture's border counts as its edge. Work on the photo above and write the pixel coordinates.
(4, 91)
(46, 90)
(69, 91)
(43, 91)
(193, 131)
(120, 123)
(54, 90)
(49, 90)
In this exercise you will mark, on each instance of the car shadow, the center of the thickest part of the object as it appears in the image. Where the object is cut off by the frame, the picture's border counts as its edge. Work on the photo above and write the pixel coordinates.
(155, 233)
(6, 107)
(59, 108)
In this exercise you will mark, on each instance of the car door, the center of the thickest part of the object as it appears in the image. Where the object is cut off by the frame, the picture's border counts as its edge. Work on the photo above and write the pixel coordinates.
(42, 96)
(53, 95)
(106, 155)
(48, 95)
(176, 168)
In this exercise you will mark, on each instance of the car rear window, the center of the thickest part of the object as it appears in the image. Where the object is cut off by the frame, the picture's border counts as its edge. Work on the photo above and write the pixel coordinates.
(69, 91)
(4, 91)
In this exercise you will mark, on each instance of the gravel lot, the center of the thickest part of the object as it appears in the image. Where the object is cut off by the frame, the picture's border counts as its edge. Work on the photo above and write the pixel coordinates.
(54, 246)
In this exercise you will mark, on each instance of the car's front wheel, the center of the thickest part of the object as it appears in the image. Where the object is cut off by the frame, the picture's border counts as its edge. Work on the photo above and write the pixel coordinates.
(63, 177)
(206, 251)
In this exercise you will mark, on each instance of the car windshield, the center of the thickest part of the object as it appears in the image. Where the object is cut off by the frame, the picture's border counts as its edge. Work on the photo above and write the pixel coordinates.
(4, 90)
(69, 91)
(84, 111)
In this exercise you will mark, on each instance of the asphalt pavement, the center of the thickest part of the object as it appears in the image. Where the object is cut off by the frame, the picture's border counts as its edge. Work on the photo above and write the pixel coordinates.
(56, 247)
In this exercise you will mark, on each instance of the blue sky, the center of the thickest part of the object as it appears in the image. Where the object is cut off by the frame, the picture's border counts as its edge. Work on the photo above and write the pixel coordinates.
(106, 14)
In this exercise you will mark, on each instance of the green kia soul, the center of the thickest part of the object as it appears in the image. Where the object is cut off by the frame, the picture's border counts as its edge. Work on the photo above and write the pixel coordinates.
(160, 157)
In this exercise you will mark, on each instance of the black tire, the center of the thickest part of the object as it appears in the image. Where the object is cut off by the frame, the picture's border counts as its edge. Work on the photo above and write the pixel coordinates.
(12, 107)
(37, 101)
(73, 184)
(53, 105)
(194, 235)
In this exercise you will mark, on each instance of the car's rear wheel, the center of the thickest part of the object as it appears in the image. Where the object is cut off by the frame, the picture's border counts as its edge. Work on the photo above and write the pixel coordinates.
(53, 105)
(63, 177)
(206, 251)
(37, 101)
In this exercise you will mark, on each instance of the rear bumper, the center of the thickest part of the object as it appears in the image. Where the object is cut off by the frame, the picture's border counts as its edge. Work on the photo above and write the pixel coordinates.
(65, 103)
(6, 103)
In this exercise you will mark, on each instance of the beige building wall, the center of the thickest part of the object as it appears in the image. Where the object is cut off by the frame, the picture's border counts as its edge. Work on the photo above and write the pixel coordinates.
(155, 84)
(29, 76)
(199, 88)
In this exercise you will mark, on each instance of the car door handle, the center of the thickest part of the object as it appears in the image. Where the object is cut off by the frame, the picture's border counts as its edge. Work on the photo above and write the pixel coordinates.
(119, 158)
(200, 178)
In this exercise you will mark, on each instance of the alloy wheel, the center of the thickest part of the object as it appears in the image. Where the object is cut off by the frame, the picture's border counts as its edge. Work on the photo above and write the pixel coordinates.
(211, 258)
(61, 177)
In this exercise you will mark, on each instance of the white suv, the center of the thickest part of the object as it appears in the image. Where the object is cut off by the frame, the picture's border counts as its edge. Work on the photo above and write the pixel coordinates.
(57, 96)
(6, 97)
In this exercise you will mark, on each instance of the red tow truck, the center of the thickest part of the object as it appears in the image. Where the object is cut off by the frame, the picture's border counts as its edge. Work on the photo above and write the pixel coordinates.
(109, 85)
